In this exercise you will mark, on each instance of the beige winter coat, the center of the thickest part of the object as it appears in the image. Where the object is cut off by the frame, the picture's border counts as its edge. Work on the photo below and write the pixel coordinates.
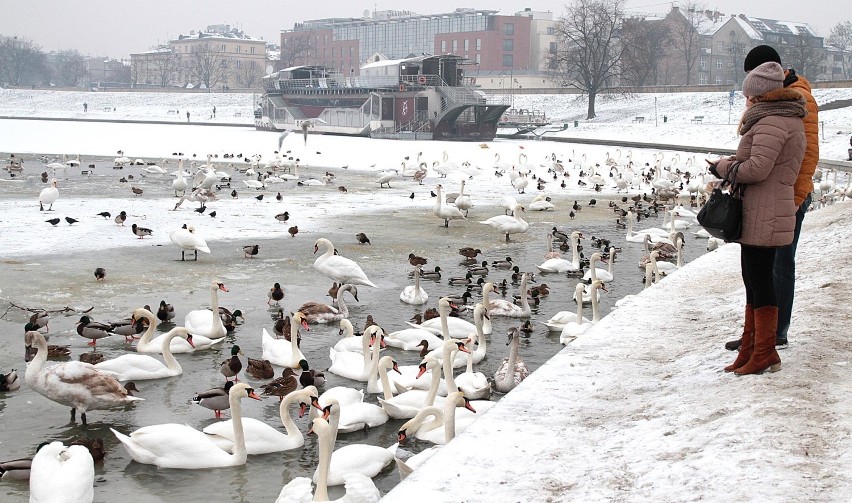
(771, 153)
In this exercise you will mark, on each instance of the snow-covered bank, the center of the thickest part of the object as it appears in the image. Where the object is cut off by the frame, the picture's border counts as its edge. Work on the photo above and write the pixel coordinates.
(639, 409)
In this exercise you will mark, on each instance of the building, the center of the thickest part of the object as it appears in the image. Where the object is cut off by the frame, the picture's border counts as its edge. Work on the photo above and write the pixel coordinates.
(498, 45)
(219, 57)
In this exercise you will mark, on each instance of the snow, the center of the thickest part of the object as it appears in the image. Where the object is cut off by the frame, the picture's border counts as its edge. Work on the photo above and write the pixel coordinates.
(638, 408)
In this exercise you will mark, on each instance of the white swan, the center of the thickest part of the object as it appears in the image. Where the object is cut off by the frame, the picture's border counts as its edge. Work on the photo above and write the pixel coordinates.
(207, 322)
(656, 234)
(557, 321)
(509, 225)
(513, 370)
(502, 307)
(136, 367)
(179, 184)
(318, 312)
(580, 325)
(180, 446)
(463, 201)
(408, 404)
(340, 269)
(76, 384)
(414, 294)
(444, 211)
(596, 273)
(48, 196)
(431, 431)
(456, 328)
(355, 365)
(59, 474)
(359, 488)
(260, 437)
(188, 240)
(541, 203)
(450, 345)
(409, 339)
(474, 385)
(282, 352)
(562, 265)
(348, 340)
(177, 345)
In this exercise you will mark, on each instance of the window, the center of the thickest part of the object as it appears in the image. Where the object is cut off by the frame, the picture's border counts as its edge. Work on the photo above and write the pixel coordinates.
(479, 44)
(507, 60)
(251, 50)
(223, 47)
(703, 63)
(508, 44)
(239, 64)
(509, 29)
(477, 59)
(455, 46)
(551, 30)
(719, 64)
(702, 79)
(443, 46)
(466, 45)
(552, 48)
(238, 49)
(718, 80)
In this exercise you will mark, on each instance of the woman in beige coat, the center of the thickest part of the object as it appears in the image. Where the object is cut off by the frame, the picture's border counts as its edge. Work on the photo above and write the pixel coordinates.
(768, 160)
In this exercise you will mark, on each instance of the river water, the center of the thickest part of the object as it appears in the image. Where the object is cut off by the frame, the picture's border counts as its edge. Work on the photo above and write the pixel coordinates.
(62, 277)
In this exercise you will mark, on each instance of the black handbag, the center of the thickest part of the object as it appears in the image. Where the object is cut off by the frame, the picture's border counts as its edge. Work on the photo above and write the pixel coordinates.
(722, 214)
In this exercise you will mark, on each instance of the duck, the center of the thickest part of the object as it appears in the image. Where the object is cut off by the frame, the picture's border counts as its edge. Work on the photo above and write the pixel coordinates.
(479, 270)
(261, 438)
(215, 399)
(562, 265)
(62, 473)
(506, 263)
(39, 320)
(206, 322)
(579, 325)
(282, 352)
(309, 376)
(95, 446)
(414, 294)
(166, 312)
(141, 232)
(260, 369)
(178, 345)
(54, 352)
(48, 195)
(137, 367)
(18, 469)
(250, 251)
(232, 366)
(337, 268)
(467, 279)
(444, 211)
(509, 224)
(127, 327)
(78, 385)
(513, 370)
(317, 312)
(93, 330)
(275, 294)
(187, 240)
(100, 274)
(281, 328)
(10, 381)
(281, 386)
(359, 487)
(181, 446)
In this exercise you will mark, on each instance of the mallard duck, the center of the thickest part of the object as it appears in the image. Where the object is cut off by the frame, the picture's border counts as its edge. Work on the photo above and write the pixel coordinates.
(92, 329)
(92, 357)
(95, 446)
(276, 293)
(215, 399)
(260, 369)
(310, 377)
(466, 280)
(435, 274)
(503, 264)
(283, 385)
(75, 384)
(232, 366)
(10, 381)
(230, 318)
(479, 270)
(129, 328)
(166, 312)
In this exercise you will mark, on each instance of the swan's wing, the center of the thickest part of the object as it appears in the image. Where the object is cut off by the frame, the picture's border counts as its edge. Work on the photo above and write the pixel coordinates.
(76, 477)
(361, 489)
(297, 490)
(124, 363)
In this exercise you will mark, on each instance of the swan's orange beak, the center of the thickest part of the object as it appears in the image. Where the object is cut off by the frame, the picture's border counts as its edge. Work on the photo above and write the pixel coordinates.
(223, 287)
(252, 394)
(422, 370)
(468, 406)
(189, 340)
(305, 326)
(463, 348)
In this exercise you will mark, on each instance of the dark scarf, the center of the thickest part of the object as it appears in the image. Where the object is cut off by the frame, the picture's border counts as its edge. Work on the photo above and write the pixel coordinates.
(781, 103)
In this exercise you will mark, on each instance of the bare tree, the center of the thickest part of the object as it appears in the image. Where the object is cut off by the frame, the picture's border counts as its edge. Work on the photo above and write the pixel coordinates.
(588, 53)
(686, 35)
(251, 74)
(295, 50)
(70, 69)
(841, 39)
(645, 46)
(803, 56)
(163, 66)
(21, 61)
(208, 64)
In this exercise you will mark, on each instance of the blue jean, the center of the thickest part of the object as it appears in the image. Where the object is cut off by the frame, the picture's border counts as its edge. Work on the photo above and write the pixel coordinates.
(785, 273)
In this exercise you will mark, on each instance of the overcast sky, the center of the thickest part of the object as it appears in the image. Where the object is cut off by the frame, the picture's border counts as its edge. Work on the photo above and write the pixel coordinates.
(118, 28)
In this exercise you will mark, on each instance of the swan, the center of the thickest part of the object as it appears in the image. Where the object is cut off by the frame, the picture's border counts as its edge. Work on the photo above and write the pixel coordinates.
(357, 416)
(337, 268)
(663, 268)
(520, 183)
(595, 273)
(188, 240)
(76, 384)
(207, 322)
(48, 195)
(456, 328)
(174, 445)
(509, 225)
(463, 201)
(513, 370)
(178, 345)
(408, 404)
(359, 488)
(541, 203)
(414, 294)
(260, 437)
(431, 431)
(317, 312)
(410, 339)
(550, 252)
(136, 367)
(449, 345)
(443, 211)
(449, 378)
(180, 184)
(355, 365)
(655, 233)
(59, 473)
(501, 307)
(282, 352)
(561, 264)
(557, 321)
(572, 329)
(348, 340)
(474, 385)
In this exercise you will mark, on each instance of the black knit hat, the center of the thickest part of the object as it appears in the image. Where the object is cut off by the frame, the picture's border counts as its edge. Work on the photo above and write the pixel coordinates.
(759, 55)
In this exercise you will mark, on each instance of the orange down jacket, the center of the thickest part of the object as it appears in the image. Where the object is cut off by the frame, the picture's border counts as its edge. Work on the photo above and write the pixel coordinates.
(804, 182)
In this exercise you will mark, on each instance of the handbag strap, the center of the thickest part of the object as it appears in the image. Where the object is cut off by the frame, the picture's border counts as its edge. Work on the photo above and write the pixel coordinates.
(736, 189)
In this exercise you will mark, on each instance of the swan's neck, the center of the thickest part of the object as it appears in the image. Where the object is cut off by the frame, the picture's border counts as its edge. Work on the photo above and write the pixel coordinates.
(433, 388)
(480, 335)
(214, 303)
(445, 328)
(611, 260)
(416, 283)
(329, 248)
(284, 411)
(170, 360)
(37, 363)
(448, 367)
(469, 368)
(386, 388)
(449, 420)
(679, 244)
(326, 445)
(239, 436)
(629, 224)
(373, 371)
(294, 341)
(509, 376)
(593, 269)
(341, 304)
(579, 294)
(575, 252)
(146, 337)
(596, 315)
(525, 303)
(367, 352)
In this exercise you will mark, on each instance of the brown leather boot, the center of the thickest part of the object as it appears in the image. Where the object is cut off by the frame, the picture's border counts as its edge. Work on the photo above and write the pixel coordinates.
(763, 356)
(746, 342)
